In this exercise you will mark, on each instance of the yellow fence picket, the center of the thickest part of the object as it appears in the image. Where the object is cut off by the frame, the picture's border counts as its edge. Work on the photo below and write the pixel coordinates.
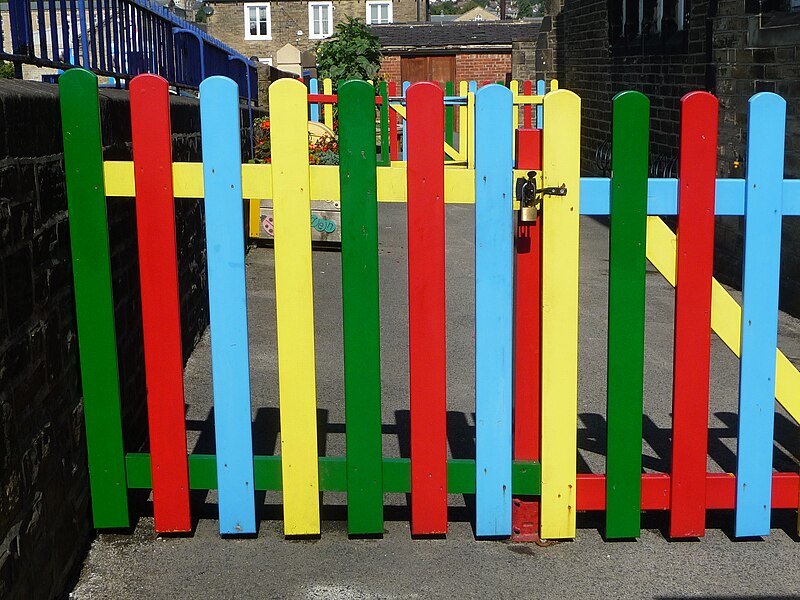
(463, 135)
(327, 89)
(471, 130)
(561, 217)
(291, 187)
(514, 87)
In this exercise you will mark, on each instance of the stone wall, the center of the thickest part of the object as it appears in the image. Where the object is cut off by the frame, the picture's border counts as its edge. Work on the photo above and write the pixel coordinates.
(730, 49)
(288, 18)
(574, 47)
(752, 53)
(45, 523)
(266, 75)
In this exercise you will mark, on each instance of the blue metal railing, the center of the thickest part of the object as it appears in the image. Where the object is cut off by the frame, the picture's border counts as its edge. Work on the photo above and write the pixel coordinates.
(121, 39)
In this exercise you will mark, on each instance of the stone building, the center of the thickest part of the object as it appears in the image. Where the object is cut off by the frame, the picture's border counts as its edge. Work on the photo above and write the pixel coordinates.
(666, 48)
(732, 48)
(260, 29)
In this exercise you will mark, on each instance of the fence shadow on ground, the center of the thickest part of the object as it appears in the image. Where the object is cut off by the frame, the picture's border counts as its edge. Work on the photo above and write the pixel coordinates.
(592, 438)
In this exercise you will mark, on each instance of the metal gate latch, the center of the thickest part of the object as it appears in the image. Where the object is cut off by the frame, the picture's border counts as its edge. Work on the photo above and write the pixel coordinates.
(530, 198)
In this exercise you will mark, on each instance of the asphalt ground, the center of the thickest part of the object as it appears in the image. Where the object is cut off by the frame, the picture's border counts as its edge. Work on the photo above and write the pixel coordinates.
(138, 564)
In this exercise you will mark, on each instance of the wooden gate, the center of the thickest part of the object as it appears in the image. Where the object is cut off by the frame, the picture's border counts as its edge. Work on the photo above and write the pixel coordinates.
(546, 394)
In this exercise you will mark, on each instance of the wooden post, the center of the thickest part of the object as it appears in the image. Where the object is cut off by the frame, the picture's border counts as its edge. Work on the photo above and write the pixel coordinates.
(560, 246)
(94, 304)
(294, 295)
(360, 303)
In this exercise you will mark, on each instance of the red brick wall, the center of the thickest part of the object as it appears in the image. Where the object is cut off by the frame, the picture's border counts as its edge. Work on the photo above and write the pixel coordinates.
(390, 68)
(480, 67)
(483, 67)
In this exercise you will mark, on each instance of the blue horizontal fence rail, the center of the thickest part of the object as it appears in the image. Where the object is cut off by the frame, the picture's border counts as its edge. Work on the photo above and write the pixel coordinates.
(121, 39)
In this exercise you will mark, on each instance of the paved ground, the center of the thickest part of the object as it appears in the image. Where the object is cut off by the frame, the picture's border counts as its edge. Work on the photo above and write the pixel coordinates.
(139, 565)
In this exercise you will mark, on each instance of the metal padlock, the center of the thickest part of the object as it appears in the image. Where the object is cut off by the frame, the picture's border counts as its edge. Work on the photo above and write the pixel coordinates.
(528, 205)
(528, 214)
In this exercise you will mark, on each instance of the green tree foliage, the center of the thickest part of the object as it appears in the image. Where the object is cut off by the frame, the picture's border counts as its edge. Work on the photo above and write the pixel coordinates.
(352, 53)
(6, 70)
(530, 8)
(456, 7)
(470, 4)
(446, 7)
(527, 8)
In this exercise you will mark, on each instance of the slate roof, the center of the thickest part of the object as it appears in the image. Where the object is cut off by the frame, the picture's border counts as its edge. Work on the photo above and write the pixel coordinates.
(455, 33)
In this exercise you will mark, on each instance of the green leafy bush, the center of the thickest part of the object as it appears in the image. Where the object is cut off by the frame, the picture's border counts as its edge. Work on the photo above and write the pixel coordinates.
(352, 53)
(6, 70)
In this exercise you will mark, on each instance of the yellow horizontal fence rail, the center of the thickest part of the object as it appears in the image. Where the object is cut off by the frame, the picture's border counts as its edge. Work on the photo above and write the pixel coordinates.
(257, 182)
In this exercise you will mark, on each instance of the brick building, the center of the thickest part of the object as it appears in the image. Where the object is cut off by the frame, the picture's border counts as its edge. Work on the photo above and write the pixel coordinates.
(666, 48)
(260, 29)
(451, 51)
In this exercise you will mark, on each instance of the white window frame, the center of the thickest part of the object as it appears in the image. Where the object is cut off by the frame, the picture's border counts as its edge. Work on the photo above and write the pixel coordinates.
(257, 5)
(265, 61)
(319, 36)
(371, 3)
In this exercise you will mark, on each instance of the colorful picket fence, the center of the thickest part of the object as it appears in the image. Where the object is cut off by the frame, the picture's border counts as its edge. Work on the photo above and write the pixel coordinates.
(392, 114)
(533, 455)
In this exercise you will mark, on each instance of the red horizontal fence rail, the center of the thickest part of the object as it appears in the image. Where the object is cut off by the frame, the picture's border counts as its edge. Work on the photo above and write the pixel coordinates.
(632, 201)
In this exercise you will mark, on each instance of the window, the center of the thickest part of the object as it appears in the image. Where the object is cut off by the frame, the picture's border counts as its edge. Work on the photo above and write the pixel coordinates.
(648, 26)
(658, 16)
(775, 23)
(257, 21)
(320, 20)
(265, 61)
(379, 13)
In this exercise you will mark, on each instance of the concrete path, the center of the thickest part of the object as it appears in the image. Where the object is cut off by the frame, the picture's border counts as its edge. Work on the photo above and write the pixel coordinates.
(140, 565)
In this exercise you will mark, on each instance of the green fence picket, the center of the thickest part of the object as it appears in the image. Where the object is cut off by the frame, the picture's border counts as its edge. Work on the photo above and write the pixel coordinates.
(626, 301)
(385, 159)
(448, 115)
(360, 298)
(94, 304)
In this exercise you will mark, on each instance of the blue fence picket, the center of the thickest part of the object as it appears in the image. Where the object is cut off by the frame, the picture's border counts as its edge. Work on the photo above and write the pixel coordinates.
(762, 254)
(540, 91)
(222, 177)
(494, 287)
(313, 88)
